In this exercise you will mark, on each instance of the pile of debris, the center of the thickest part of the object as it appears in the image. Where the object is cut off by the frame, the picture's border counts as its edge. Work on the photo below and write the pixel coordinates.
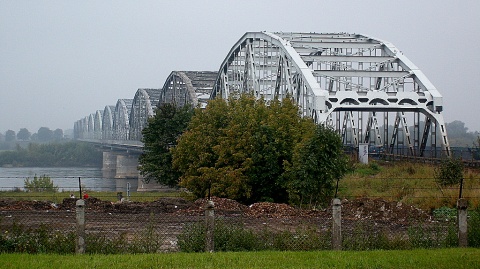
(377, 210)
(381, 210)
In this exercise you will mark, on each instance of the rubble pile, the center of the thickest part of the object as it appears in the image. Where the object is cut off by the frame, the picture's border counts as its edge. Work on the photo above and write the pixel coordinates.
(271, 210)
(10, 204)
(381, 210)
(377, 210)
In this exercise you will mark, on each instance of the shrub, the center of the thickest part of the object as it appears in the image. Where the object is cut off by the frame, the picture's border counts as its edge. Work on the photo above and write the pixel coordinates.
(449, 173)
(40, 184)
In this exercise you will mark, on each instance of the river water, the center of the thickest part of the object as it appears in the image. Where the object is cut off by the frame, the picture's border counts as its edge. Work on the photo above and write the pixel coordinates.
(66, 178)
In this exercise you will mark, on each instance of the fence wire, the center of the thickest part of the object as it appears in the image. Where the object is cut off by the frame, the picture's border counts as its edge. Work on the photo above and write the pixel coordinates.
(136, 228)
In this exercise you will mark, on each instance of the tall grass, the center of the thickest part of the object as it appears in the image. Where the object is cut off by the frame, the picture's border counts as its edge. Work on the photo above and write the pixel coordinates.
(410, 183)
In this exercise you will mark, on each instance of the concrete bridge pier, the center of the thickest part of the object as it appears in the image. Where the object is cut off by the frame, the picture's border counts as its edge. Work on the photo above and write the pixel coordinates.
(126, 172)
(109, 168)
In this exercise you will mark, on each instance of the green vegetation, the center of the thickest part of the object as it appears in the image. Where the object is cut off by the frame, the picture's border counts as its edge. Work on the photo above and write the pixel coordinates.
(236, 237)
(420, 258)
(317, 163)
(241, 148)
(40, 184)
(53, 155)
(409, 183)
(58, 197)
(159, 136)
(449, 172)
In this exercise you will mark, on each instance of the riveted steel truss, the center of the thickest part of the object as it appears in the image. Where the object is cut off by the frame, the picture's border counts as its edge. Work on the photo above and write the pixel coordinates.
(343, 80)
(120, 120)
(143, 107)
(192, 87)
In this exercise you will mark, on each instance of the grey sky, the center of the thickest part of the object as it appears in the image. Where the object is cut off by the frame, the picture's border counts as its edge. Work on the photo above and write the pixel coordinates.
(62, 60)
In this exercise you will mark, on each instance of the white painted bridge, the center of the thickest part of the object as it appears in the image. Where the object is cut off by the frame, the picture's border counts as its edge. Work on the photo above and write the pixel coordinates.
(364, 87)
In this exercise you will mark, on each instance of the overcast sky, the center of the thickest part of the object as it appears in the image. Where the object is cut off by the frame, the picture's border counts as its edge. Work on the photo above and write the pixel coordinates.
(62, 60)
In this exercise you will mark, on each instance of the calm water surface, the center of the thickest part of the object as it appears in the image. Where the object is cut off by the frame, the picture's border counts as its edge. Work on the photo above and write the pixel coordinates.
(66, 178)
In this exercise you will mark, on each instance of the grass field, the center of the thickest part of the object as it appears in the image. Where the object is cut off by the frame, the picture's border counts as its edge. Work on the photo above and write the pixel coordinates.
(440, 258)
(410, 183)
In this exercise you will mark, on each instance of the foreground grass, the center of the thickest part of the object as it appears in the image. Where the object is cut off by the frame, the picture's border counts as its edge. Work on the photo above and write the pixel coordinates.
(440, 258)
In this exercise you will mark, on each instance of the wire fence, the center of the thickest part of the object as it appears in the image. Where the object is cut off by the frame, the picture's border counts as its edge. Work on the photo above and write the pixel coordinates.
(125, 221)
(174, 224)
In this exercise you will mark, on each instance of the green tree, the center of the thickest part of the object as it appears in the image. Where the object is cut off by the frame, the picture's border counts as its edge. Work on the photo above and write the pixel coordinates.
(9, 136)
(449, 172)
(318, 162)
(40, 184)
(160, 135)
(44, 134)
(23, 134)
(236, 148)
(58, 134)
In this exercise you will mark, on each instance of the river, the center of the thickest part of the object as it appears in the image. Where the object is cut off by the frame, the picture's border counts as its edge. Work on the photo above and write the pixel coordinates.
(66, 178)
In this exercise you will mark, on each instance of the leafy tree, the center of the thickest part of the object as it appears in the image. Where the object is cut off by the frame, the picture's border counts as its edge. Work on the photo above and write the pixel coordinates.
(9, 136)
(317, 163)
(23, 134)
(58, 134)
(40, 184)
(449, 172)
(161, 134)
(236, 149)
(44, 134)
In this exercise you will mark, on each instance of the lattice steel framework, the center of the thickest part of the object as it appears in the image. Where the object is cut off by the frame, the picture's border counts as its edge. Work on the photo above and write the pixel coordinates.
(143, 107)
(120, 120)
(192, 87)
(343, 80)
(107, 122)
(97, 124)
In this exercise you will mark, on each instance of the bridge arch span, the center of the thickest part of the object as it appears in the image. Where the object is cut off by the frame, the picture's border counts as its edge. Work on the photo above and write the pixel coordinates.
(188, 87)
(143, 107)
(121, 119)
(97, 124)
(343, 80)
(107, 122)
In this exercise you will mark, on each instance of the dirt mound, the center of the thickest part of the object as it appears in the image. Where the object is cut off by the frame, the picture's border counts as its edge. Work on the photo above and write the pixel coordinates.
(377, 210)
(271, 210)
(9, 204)
(381, 210)
(223, 206)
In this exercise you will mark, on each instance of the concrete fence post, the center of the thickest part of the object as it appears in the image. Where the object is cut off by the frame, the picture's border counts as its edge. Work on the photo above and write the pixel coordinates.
(462, 205)
(337, 224)
(80, 213)
(209, 226)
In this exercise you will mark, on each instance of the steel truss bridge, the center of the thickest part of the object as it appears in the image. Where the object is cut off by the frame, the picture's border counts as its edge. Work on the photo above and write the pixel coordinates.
(363, 87)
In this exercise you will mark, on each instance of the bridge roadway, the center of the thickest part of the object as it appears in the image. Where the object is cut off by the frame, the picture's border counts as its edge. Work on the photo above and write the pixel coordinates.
(363, 87)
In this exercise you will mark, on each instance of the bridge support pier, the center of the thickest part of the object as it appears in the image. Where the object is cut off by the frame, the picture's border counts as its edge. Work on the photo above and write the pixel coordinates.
(123, 167)
(109, 168)
(126, 172)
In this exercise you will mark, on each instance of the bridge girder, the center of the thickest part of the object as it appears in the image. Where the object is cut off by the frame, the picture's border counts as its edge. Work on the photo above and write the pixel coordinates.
(107, 122)
(143, 107)
(332, 75)
(120, 120)
(192, 87)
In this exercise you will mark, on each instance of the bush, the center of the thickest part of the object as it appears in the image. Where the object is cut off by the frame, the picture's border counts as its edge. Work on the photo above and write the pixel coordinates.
(40, 184)
(449, 173)
(39, 240)
(236, 237)
(474, 228)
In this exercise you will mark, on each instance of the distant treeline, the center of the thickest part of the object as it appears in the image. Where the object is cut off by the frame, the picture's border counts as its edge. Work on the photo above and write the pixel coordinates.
(66, 154)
